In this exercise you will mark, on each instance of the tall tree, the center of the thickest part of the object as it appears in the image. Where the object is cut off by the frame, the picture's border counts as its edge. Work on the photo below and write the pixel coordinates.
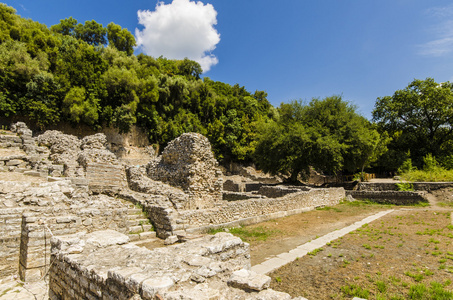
(120, 38)
(91, 32)
(420, 117)
(326, 134)
(65, 27)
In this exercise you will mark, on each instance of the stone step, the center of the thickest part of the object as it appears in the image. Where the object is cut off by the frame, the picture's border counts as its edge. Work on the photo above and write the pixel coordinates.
(147, 235)
(140, 228)
(134, 211)
(138, 222)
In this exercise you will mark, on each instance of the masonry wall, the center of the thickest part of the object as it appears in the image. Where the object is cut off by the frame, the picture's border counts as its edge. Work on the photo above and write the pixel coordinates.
(390, 197)
(37, 231)
(82, 269)
(418, 186)
(10, 226)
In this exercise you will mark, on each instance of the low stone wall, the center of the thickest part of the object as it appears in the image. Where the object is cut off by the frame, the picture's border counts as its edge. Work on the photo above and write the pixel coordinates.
(390, 186)
(101, 265)
(390, 197)
(38, 230)
(105, 177)
(257, 210)
(241, 187)
(280, 190)
(10, 221)
(31, 212)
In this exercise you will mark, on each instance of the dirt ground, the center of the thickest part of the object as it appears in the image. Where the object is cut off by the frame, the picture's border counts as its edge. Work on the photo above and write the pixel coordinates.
(382, 260)
(292, 231)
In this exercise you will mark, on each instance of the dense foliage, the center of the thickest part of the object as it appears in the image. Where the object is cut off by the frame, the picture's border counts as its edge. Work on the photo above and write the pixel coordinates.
(326, 134)
(87, 74)
(419, 119)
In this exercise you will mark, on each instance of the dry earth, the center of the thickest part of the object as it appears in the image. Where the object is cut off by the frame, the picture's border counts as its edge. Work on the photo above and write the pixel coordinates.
(381, 260)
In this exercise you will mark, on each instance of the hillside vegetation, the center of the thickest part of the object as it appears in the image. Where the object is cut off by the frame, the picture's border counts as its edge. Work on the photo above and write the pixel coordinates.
(85, 73)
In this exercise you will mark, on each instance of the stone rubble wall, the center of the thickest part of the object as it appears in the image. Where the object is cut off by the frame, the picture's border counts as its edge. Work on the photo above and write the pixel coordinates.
(102, 265)
(390, 197)
(389, 186)
(27, 210)
(188, 163)
(280, 190)
(11, 219)
(139, 182)
(234, 213)
(56, 154)
(241, 187)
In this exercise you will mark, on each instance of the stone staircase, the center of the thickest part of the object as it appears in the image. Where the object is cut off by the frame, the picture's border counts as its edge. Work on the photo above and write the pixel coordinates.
(140, 227)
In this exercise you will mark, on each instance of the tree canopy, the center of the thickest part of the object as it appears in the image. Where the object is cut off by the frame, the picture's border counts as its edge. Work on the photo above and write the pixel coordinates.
(419, 119)
(326, 134)
(84, 73)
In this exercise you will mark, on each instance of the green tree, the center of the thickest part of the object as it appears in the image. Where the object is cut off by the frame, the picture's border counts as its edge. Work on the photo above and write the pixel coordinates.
(120, 38)
(419, 118)
(91, 32)
(326, 134)
(80, 107)
(65, 27)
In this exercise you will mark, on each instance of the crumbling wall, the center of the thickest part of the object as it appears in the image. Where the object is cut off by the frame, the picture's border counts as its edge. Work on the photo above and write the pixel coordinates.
(391, 197)
(258, 210)
(102, 265)
(188, 163)
(31, 212)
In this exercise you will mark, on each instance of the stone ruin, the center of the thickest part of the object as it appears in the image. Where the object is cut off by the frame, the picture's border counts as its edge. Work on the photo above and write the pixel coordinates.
(85, 188)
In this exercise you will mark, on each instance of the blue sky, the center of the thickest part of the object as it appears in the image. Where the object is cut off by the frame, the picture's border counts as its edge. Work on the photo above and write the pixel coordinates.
(296, 49)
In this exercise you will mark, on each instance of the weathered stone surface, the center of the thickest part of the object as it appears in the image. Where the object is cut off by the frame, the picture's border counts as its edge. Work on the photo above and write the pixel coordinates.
(171, 240)
(152, 286)
(272, 295)
(249, 280)
(188, 162)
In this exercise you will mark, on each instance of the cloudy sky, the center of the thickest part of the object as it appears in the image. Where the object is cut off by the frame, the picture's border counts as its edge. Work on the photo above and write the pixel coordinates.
(289, 48)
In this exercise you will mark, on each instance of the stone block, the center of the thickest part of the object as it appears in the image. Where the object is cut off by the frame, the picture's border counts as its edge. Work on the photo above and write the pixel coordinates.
(249, 280)
(151, 287)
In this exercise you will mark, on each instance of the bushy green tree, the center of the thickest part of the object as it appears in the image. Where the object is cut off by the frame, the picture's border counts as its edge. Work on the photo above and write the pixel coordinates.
(326, 134)
(418, 118)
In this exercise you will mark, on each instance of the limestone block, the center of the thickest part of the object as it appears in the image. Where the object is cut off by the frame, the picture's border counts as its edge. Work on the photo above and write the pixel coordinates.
(249, 280)
(171, 240)
(272, 295)
(105, 238)
(14, 162)
(152, 286)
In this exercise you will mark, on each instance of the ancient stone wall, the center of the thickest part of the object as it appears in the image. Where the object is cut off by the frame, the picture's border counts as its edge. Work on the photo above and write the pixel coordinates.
(170, 221)
(390, 197)
(245, 209)
(188, 163)
(30, 212)
(389, 186)
(102, 265)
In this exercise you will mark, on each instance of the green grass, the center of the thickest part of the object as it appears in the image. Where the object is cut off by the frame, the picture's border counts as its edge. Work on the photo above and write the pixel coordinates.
(437, 174)
(248, 234)
(314, 252)
(435, 291)
(354, 290)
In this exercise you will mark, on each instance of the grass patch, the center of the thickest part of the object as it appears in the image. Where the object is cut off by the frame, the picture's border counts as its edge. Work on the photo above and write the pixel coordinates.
(354, 290)
(314, 252)
(436, 174)
(436, 290)
(259, 233)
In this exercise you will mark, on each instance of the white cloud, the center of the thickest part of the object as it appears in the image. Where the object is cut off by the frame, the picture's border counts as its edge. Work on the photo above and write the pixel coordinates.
(180, 29)
(443, 33)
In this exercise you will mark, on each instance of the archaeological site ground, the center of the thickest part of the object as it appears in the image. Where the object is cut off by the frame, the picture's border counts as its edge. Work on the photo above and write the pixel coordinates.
(87, 218)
